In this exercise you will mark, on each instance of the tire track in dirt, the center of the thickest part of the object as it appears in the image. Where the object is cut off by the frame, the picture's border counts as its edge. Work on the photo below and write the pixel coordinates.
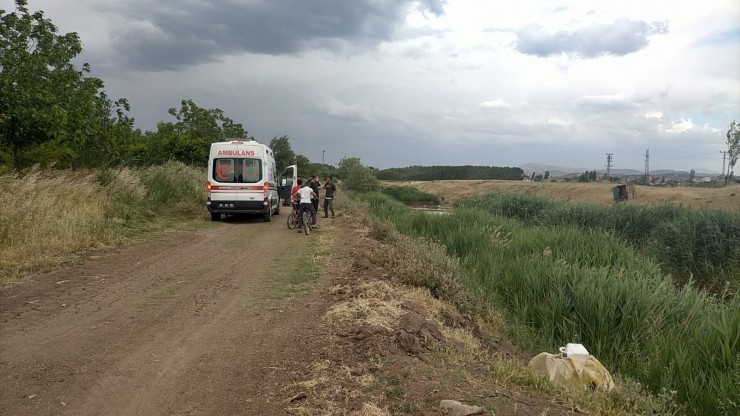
(158, 328)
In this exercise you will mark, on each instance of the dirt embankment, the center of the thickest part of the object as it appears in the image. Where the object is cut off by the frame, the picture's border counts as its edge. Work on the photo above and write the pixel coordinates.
(236, 320)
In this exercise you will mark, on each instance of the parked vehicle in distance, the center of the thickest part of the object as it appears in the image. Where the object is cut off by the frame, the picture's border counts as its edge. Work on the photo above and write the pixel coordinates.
(242, 179)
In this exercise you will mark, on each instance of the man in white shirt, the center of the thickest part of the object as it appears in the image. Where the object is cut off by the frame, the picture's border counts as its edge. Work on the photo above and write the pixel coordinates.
(306, 195)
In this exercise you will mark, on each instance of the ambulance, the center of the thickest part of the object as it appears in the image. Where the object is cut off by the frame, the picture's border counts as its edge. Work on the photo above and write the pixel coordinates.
(242, 179)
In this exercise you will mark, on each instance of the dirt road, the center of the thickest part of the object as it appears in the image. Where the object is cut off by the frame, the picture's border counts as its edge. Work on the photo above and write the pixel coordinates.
(247, 318)
(197, 323)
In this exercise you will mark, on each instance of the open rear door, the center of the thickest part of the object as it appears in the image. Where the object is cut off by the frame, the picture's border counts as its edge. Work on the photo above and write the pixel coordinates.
(288, 178)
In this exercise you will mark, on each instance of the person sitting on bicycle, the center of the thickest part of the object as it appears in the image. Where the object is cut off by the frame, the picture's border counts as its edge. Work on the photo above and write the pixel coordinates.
(294, 198)
(306, 194)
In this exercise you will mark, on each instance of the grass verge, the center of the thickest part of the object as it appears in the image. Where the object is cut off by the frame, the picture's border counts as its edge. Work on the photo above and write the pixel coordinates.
(47, 217)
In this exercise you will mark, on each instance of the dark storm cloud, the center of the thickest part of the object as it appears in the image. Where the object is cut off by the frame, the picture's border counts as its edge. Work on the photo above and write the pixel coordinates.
(168, 35)
(622, 37)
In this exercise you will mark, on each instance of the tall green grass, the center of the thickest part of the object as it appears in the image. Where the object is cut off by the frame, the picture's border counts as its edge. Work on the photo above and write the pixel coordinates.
(586, 285)
(410, 195)
(46, 216)
(699, 245)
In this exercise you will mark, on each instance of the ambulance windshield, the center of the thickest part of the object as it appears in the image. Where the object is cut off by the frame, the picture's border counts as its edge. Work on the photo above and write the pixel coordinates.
(237, 170)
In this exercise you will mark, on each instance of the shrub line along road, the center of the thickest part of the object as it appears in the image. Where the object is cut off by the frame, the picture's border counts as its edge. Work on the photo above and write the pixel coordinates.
(184, 325)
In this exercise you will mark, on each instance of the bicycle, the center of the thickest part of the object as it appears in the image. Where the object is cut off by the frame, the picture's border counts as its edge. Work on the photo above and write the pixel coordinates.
(294, 219)
(301, 218)
(306, 221)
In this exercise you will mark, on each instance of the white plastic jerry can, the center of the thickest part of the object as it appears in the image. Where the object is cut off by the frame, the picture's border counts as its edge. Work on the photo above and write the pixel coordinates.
(573, 349)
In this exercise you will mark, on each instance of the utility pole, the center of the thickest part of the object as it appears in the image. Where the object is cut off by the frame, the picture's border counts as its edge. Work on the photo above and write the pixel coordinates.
(608, 166)
(724, 157)
(647, 165)
(322, 156)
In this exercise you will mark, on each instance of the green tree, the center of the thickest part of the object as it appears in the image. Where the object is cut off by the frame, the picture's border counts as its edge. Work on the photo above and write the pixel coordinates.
(284, 155)
(547, 174)
(356, 177)
(692, 174)
(733, 148)
(208, 125)
(323, 170)
(304, 166)
(50, 112)
(189, 138)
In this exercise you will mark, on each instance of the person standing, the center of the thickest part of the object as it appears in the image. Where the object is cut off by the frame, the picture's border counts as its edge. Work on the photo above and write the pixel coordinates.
(329, 191)
(306, 195)
(314, 184)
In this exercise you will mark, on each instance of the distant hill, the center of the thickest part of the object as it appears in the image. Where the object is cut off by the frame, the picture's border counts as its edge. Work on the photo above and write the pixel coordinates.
(555, 170)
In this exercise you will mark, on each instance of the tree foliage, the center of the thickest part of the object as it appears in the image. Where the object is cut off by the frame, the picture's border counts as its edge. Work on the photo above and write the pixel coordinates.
(208, 125)
(432, 173)
(189, 137)
(283, 152)
(588, 176)
(51, 112)
(356, 177)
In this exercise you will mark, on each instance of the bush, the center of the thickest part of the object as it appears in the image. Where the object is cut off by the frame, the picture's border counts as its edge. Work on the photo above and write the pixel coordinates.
(356, 177)
(174, 187)
(410, 195)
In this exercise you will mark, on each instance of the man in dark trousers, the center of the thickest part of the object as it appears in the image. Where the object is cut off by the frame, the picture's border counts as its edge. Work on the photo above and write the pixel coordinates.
(314, 184)
(329, 191)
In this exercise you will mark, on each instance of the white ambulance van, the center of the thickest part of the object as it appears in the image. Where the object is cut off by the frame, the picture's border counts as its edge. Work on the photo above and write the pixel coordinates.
(242, 179)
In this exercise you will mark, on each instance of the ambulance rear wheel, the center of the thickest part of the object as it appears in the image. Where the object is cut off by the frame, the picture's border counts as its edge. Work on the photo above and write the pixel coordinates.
(268, 215)
(277, 208)
(215, 216)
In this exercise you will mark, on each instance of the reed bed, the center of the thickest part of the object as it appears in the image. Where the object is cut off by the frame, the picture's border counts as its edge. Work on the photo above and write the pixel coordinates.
(702, 246)
(582, 284)
(410, 195)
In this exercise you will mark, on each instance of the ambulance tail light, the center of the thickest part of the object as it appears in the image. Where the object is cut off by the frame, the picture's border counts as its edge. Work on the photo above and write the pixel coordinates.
(208, 188)
(266, 190)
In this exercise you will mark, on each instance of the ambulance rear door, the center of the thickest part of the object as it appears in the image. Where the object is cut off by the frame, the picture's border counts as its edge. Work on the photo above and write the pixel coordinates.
(237, 174)
(288, 179)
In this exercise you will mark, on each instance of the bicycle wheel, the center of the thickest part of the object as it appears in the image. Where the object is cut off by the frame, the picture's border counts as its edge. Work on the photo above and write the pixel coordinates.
(292, 220)
(306, 222)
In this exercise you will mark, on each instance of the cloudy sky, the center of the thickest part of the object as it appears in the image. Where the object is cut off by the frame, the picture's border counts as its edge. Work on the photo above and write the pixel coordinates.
(432, 82)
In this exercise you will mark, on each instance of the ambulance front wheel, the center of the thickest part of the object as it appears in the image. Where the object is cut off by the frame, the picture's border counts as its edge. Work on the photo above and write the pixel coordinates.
(215, 216)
